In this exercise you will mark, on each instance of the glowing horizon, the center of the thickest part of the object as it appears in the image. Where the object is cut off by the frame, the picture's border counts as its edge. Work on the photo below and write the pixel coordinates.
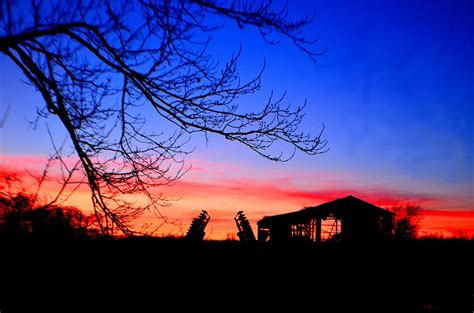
(274, 193)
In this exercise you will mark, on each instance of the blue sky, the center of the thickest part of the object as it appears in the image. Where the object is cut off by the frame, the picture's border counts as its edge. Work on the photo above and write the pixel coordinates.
(395, 87)
(395, 90)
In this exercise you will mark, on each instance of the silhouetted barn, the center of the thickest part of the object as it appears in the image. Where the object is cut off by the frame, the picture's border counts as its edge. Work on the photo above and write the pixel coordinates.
(346, 218)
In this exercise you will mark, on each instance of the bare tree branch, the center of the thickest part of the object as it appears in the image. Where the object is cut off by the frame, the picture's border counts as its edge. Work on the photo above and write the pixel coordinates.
(100, 67)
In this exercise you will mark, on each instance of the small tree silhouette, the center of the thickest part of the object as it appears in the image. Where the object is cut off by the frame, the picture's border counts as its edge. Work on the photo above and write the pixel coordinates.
(20, 218)
(24, 214)
(406, 221)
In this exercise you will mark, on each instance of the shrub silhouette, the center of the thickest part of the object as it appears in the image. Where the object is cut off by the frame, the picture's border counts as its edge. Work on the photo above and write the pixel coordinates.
(20, 218)
(406, 221)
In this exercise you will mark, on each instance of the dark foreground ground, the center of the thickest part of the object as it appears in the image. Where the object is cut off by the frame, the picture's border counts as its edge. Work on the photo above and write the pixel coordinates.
(160, 275)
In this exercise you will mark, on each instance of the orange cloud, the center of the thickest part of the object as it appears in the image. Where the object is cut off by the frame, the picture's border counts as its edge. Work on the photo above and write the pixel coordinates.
(23, 171)
(447, 223)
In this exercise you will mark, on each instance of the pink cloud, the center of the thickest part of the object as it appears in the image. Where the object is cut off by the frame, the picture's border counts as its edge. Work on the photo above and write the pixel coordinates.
(280, 192)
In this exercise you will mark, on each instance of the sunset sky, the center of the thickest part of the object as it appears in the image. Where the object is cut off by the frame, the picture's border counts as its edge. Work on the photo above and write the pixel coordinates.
(395, 90)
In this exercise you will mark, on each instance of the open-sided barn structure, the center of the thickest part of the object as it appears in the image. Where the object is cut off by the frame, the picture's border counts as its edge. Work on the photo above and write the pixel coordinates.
(346, 218)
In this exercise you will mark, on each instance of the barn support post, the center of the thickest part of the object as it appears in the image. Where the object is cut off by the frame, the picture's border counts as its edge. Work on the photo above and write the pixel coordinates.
(318, 229)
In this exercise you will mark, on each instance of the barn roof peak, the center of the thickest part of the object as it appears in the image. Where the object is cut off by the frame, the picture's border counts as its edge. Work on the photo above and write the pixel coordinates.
(345, 205)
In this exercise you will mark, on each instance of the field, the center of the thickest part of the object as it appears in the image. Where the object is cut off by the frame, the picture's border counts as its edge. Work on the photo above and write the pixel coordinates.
(169, 275)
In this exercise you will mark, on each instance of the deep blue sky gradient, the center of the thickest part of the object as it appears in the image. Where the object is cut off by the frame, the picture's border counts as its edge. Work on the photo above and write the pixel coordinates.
(395, 90)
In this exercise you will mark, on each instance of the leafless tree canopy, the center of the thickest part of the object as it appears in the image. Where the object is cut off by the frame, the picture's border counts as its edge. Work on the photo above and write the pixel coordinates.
(406, 221)
(99, 64)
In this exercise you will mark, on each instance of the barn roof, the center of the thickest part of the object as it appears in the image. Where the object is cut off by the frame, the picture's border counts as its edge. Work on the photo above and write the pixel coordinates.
(348, 206)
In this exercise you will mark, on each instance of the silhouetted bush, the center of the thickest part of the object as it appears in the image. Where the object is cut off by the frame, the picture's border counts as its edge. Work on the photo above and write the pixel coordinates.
(20, 218)
(406, 221)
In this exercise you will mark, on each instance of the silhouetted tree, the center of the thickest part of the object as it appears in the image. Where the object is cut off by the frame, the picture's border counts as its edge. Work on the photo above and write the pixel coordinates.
(406, 221)
(98, 64)
(19, 218)
(23, 214)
